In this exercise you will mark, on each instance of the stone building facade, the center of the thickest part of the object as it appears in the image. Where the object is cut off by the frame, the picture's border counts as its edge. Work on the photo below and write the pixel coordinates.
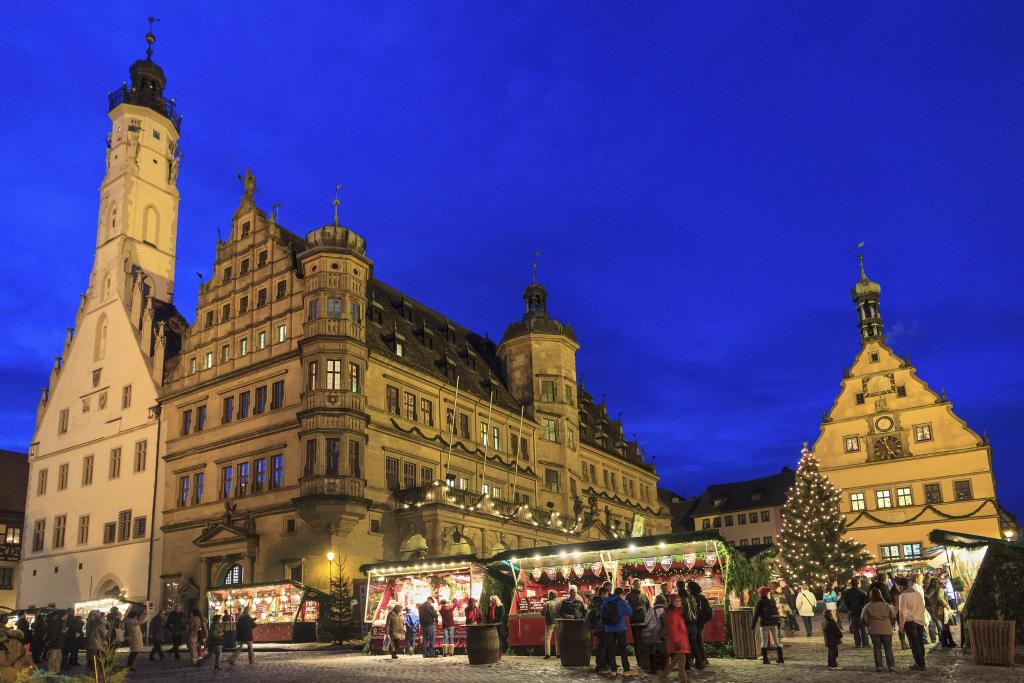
(745, 513)
(13, 486)
(93, 505)
(906, 463)
(314, 408)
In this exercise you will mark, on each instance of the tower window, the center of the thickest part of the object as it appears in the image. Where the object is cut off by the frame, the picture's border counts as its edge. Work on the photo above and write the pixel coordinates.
(156, 135)
(227, 274)
(333, 308)
(901, 391)
(851, 444)
(874, 357)
(860, 399)
(245, 233)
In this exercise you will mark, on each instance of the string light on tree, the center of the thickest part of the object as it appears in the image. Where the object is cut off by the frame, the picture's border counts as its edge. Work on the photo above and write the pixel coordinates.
(811, 541)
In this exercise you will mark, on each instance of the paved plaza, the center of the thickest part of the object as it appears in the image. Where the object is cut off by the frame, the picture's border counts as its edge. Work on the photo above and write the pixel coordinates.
(805, 661)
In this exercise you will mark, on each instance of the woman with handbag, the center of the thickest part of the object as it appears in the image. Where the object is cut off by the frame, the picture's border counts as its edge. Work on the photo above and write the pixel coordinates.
(395, 630)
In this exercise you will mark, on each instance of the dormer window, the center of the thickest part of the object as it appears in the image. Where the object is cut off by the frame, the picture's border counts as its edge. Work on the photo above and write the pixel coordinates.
(406, 310)
(245, 233)
(399, 348)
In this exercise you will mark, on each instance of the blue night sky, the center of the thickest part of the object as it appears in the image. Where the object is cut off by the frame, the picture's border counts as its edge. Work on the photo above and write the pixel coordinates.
(696, 175)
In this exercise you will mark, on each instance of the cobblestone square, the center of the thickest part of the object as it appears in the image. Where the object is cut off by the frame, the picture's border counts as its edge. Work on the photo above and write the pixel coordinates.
(805, 661)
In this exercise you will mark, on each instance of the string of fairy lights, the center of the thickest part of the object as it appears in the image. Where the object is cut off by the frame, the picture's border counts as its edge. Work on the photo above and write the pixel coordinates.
(812, 540)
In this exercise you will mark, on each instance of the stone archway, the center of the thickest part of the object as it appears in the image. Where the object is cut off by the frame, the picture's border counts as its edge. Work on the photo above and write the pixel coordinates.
(414, 547)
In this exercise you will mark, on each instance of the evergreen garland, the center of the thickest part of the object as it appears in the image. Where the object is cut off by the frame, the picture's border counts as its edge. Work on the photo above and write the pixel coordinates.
(812, 542)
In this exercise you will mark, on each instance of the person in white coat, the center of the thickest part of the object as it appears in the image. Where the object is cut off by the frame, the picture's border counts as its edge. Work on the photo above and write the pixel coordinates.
(133, 632)
(805, 603)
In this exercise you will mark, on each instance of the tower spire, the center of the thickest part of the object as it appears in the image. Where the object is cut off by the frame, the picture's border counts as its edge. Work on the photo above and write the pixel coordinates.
(150, 38)
(336, 202)
(866, 294)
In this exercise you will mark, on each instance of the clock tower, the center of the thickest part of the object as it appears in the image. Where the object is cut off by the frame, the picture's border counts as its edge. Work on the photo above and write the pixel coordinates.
(906, 463)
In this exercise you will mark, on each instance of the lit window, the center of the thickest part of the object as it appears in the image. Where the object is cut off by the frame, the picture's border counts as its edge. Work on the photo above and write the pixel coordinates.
(391, 394)
(911, 551)
(496, 438)
(192, 366)
(547, 390)
(410, 407)
(282, 332)
(890, 552)
(851, 443)
(904, 497)
(333, 375)
(883, 499)
(233, 576)
(208, 360)
(354, 384)
(922, 432)
(857, 502)
(705, 523)
(261, 340)
(225, 353)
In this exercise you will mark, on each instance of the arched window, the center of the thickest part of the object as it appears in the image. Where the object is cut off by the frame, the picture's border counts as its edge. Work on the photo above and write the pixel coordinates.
(233, 576)
(150, 225)
(101, 338)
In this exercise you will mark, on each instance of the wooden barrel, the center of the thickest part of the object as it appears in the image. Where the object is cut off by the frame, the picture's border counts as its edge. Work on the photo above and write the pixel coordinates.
(574, 642)
(482, 643)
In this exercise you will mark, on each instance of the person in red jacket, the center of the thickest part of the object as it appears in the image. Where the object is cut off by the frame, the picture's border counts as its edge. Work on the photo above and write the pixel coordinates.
(677, 641)
(473, 613)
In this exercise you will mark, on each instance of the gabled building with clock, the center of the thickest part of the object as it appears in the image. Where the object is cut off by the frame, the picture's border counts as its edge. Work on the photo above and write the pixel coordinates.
(906, 463)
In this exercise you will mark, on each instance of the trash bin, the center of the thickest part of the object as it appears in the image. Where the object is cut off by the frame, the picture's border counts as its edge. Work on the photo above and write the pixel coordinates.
(744, 643)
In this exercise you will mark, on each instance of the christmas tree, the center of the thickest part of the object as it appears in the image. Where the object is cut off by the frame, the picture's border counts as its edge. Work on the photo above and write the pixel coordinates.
(812, 543)
(341, 617)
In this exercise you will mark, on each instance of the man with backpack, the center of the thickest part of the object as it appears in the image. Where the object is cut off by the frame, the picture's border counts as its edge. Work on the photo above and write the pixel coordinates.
(704, 614)
(639, 603)
(571, 606)
(614, 614)
(550, 613)
(652, 635)
(596, 627)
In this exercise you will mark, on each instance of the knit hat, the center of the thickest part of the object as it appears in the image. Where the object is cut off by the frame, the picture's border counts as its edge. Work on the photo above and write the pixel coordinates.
(763, 591)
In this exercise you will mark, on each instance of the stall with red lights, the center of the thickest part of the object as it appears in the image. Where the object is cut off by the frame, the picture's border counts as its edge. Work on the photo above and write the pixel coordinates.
(654, 560)
(453, 579)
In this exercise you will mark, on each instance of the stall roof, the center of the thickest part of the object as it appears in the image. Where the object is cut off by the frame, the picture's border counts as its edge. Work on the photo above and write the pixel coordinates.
(959, 539)
(654, 543)
(420, 565)
(265, 584)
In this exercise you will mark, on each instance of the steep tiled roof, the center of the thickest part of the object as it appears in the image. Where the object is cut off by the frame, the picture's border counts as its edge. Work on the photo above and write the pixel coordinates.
(764, 492)
(474, 358)
(599, 431)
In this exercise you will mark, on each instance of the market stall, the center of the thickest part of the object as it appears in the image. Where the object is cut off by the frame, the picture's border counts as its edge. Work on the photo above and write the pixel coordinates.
(104, 605)
(455, 579)
(653, 560)
(285, 611)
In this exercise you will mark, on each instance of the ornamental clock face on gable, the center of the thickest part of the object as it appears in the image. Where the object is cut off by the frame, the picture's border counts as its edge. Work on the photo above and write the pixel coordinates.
(887, 447)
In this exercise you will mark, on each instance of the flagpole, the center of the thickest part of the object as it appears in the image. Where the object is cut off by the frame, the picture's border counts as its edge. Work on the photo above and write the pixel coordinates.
(519, 450)
(451, 429)
(483, 474)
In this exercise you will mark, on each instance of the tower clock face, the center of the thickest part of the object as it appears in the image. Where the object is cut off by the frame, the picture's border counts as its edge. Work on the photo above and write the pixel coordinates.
(884, 424)
(888, 447)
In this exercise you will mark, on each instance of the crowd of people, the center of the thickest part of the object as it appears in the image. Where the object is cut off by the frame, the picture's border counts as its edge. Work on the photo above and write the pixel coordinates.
(55, 639)
(915, 607)
(667, 634)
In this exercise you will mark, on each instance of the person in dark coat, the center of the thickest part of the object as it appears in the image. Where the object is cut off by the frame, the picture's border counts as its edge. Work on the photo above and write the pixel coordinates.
(496, 615)
(428, 626)
(23, 626)
(855, 599)
(766, 614)
(37, 642)
(176, 625)
(157, 626)
(833, 636)
(704, 614)
(244, 629)
(73, 638)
